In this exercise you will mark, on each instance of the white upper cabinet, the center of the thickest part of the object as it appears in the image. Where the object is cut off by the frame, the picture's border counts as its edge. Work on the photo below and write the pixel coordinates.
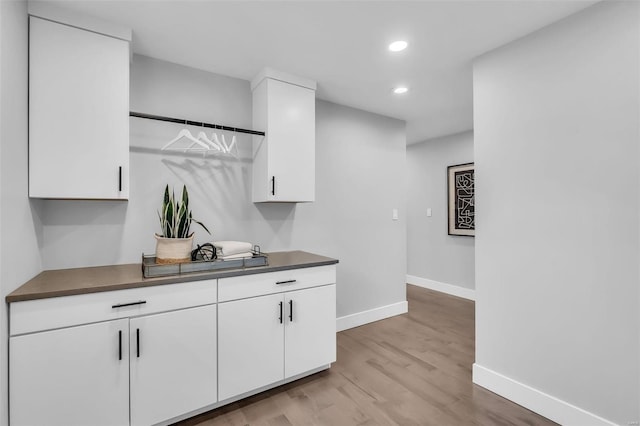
(78, 113)
(284, 159)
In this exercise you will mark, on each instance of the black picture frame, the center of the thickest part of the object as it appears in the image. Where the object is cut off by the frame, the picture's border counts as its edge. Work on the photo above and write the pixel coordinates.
(461, 199)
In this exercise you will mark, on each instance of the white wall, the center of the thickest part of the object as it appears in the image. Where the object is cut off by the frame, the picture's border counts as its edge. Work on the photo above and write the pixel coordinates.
(432, 254)
(360, 177)
(19, 219)
(557, 244)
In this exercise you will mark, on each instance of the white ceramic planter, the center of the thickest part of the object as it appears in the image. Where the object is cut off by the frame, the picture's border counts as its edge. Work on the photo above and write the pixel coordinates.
(173, 250)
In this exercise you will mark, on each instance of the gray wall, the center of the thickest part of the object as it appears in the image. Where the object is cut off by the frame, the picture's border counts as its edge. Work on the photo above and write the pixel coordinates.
(19, 221)
(557, 245)
(360, 178)
(431, 253)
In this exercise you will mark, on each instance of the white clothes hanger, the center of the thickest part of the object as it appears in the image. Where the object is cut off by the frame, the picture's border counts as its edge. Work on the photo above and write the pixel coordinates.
(222, 146)
(204, 143)
(184, 133)
(202, 136)
(234, 147)
(229, 147)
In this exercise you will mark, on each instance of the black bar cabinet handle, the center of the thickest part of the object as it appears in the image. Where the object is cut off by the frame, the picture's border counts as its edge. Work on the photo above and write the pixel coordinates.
(285, 282)
(137, 343)
(122, 305)
(291, 310)
(273, 185)
(280, 318)
(119, 345)
(120, 178)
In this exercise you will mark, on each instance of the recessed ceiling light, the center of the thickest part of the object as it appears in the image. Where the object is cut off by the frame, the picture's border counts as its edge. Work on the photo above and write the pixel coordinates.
(397, 46)
(400, 90)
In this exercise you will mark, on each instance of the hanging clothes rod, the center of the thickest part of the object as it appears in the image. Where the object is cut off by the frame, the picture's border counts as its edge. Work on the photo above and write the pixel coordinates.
(194, 123)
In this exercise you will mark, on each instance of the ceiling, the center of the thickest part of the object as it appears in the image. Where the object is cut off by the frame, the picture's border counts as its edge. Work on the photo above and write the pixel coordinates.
(342, 45)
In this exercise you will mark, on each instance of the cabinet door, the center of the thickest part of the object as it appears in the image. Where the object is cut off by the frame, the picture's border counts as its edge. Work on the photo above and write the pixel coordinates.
(291, 141)
(310, 332)
(251, 342)
(78, 113)
(72, 376)
(173, 364)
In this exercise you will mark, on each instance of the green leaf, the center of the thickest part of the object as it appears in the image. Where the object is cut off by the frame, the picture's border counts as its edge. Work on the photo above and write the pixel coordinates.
(161, 222)
(185, 197)
(169, 214)
(201, 224)
(166, 196)
(183, 222)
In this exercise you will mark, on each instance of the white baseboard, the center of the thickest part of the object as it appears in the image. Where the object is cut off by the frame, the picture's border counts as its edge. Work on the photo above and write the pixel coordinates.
(544, 404)
(454, 290)
(354, 320)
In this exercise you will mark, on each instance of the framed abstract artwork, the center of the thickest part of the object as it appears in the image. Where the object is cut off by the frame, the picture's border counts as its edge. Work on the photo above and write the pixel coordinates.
(461, 190)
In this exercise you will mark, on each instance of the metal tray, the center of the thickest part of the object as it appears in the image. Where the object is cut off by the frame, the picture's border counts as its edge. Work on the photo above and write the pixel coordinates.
(152, 269)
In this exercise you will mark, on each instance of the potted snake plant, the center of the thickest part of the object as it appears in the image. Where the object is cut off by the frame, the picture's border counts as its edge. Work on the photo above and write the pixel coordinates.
(176, 241)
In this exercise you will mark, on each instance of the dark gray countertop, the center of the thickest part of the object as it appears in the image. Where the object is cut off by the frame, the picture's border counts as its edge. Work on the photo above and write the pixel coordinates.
(67, 282)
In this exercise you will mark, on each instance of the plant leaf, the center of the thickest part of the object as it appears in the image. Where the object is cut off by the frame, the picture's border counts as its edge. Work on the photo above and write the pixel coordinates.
(183, 222)
(175, 214)
(161, 222)
(163, 216)
(165, 224)
(185, 197)
(170, 219)
(166, 196)
(201, 224)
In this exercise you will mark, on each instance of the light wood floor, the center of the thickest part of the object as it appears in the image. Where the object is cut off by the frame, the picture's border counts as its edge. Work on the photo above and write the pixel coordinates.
(413, 369)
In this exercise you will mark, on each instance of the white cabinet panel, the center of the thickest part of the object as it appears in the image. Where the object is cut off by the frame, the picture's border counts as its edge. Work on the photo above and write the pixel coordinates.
(173, 364)
(251, 344)
(78, 113)
(73, 376)
(284, 159)
(310, 332)
(57, 312)
(274, 282)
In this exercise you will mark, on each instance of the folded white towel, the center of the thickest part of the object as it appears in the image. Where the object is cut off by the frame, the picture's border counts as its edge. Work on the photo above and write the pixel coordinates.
(227, 248)
(236, 256)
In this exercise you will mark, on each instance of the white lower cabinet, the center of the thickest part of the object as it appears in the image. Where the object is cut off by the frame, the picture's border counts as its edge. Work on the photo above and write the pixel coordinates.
(139, 371)
(251, 344)
(310, 332)
(72, 376)
(173, 364)
(266, 339)
(156, 354)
